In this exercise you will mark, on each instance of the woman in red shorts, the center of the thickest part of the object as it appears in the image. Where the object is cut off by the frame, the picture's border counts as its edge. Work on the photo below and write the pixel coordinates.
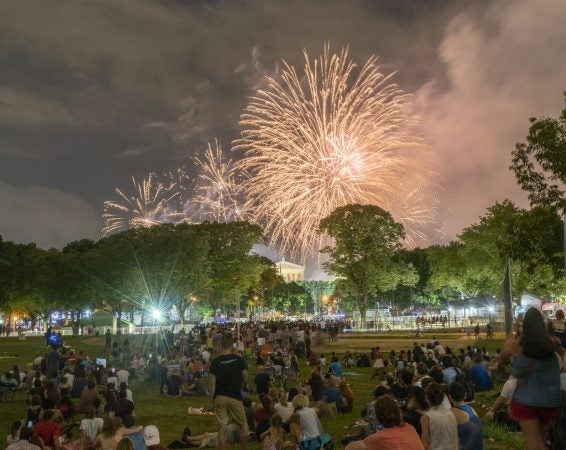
(537, 369)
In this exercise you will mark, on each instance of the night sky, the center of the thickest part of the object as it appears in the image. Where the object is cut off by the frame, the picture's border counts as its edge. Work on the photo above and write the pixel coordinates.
(93, 92)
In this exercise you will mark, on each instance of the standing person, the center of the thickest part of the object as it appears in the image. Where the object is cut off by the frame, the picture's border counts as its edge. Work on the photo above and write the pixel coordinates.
(53, 360)
(107, 340)
(225, 386)
(378, 366)
(537, 395)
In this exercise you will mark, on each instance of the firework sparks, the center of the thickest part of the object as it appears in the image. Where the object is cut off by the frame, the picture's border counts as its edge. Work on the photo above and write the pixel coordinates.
(338, 135)
(216, 186)
(148, 206)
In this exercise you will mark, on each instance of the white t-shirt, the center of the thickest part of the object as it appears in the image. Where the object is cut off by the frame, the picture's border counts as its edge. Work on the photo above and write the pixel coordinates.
(309, 423)
(284, 411)
(123, 376)
(508, 388)
(91, 427)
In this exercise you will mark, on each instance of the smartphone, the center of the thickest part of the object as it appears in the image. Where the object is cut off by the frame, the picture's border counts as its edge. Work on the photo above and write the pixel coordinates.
(30, 424)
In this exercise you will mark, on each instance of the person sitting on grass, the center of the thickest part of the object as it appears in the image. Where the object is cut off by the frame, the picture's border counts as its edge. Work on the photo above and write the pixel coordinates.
(305, 424)
(331, 402)
(136, 436)
(112, 433)
(274, 437)
(499, 411)
(27, 441)
(48, 430)
(439, 426)
(470, 428)
(346, 397)
(123, 406)
(90, 427)
(417, 405)
(395, 435)
(151, 438)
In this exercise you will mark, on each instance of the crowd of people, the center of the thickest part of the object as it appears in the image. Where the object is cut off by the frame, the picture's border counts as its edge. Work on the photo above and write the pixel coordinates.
(421, 399)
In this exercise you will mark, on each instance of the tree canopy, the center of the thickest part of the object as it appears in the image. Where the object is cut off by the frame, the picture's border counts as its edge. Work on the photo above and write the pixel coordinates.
(365, 255)
(540, 163)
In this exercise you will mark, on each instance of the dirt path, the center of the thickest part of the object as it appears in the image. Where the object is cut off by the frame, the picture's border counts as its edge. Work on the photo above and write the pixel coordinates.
(364, 342)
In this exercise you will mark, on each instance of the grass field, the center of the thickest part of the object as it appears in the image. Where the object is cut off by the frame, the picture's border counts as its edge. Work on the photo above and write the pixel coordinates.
(170, 414)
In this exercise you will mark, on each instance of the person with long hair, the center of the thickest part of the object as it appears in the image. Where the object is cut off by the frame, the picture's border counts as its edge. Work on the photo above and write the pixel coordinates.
(274, 437)
(112, 434)
(348, 397)
(537, 369)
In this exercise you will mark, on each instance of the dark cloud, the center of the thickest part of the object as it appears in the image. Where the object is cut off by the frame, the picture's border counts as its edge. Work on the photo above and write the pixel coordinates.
(94, 92)
(46, 216)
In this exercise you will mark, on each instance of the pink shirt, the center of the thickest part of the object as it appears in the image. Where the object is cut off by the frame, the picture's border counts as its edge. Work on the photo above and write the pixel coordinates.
(404, 437)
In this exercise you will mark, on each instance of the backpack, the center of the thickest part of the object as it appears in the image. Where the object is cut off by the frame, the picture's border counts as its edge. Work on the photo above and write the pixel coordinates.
(461, 377)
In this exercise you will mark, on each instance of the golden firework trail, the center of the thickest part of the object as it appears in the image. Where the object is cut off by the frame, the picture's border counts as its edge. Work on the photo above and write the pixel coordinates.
(216, 191)
(334, 135)
(146, 207)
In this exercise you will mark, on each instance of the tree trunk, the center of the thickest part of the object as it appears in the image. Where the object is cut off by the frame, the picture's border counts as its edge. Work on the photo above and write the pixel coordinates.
(181, 309)
(362, 307)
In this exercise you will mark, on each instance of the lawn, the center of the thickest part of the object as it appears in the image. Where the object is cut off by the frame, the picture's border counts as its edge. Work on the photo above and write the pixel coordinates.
(170, 414)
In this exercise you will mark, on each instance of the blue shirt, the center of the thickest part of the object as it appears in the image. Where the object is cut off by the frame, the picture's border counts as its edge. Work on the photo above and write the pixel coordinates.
(470, 434)
(336, 368)
(137, 440)
(538, 381)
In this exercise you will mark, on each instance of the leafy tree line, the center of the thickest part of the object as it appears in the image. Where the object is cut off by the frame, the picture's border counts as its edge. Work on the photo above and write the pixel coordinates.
(172, 265)
(201, 267)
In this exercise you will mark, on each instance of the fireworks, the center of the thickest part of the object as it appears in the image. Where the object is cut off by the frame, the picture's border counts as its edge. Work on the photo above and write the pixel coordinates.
(337, 135)
(216, 186)
(150, 205)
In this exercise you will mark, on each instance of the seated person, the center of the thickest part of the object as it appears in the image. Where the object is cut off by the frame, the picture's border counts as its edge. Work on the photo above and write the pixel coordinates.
(173, 384)
(197, 387)
(499, 412)
(262, 381)
(151, 438)
(211, 439)
(395, 434)
(48, 430)
(135, 435)
(470, 428)
(335, 367)
(123, 406)
(331, 402)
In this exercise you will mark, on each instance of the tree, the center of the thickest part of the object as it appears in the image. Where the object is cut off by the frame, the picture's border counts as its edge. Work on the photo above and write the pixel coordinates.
(367, 245)
(540, 164)
(474, 265)
(231, 266)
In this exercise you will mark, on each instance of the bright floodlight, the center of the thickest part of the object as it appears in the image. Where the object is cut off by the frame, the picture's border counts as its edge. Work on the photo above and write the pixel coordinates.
(490, 309)
(156, 314)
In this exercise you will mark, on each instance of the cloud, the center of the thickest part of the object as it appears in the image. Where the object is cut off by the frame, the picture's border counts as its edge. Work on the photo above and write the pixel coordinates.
(48, 217)
(502, 65)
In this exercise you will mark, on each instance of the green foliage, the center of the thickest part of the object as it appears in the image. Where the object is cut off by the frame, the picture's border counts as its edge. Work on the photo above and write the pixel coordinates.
(529, 239)
(540, 164)
(159, 267)
(366, 251)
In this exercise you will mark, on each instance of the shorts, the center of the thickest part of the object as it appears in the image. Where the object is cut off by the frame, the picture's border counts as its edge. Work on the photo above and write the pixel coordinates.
(229, 410)
(545, 414)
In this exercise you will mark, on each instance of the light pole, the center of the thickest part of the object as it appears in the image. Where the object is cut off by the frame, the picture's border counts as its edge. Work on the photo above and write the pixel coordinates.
(236, 280)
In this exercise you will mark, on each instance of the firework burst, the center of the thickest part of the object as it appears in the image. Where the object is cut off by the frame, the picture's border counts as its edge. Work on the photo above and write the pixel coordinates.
(149, 205)
(216, 190)
(335, 135)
